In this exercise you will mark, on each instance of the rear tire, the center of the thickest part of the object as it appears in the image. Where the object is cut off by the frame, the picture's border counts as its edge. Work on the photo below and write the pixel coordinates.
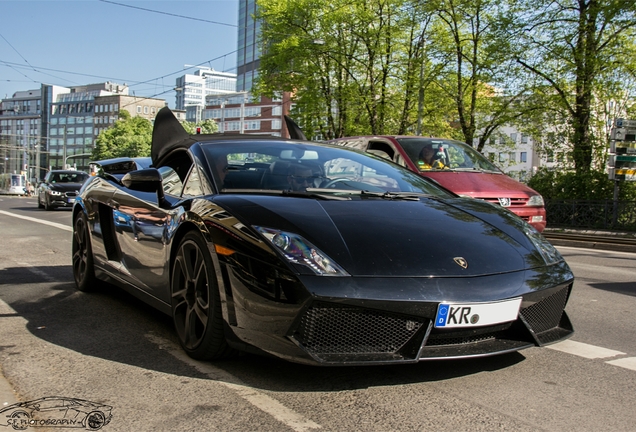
(196, 305)
(82, 255)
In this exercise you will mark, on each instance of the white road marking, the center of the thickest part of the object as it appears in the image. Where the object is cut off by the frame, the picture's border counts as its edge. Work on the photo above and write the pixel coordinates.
(265, 403)
(595, 251)
(602, 269)
(627, 363)
(38, 272)
(53, 224)
(584, 350)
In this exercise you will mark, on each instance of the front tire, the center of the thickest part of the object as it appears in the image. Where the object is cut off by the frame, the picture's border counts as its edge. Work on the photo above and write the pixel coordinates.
(82, 255)
(196, 306)
(47, 204)
(40, 205)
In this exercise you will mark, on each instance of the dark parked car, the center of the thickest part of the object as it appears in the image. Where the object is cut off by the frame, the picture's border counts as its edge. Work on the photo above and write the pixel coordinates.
(60, 188)
(315, 253)
(459, 168)
(119, 166)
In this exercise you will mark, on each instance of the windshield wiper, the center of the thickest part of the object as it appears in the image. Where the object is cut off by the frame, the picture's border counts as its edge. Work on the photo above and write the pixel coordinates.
(310, 193)
(408, 196)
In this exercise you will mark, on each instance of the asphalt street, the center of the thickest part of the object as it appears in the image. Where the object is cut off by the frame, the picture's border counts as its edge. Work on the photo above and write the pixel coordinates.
(106, 345)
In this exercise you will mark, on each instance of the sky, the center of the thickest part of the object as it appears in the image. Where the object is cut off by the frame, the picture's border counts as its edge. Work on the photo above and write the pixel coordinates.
(144, 44)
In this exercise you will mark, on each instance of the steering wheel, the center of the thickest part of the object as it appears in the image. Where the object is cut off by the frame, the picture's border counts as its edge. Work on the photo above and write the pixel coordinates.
(331, 183)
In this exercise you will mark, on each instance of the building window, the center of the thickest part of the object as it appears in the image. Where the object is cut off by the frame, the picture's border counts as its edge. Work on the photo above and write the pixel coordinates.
(502, 157)
(253, 125)
(523, 157)
(512, 156)
(277, 110)
(276, 124)
(138, 109)
(146, 109)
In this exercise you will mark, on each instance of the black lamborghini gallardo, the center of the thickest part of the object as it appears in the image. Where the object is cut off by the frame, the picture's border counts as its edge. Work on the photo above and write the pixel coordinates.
(315, 253)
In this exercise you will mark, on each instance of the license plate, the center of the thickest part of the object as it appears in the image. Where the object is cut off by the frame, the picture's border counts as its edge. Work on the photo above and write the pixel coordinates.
(71, 200)
(477, 314)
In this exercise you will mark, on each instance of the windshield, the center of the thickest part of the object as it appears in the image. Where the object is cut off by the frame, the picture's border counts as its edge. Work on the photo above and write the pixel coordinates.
(433, 154)
(69, 177)
(309, 168)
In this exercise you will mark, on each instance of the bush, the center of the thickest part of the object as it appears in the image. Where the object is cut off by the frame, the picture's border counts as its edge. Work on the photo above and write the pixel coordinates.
(592, 185)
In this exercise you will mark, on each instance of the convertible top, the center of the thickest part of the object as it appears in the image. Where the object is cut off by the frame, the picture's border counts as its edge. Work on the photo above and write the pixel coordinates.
(168, 136)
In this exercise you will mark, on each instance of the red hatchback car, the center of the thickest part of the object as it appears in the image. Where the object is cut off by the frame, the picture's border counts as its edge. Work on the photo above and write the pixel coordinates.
(459, 168)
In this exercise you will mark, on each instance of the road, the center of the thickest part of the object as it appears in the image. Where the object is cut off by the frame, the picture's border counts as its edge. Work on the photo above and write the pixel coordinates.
(108, 348)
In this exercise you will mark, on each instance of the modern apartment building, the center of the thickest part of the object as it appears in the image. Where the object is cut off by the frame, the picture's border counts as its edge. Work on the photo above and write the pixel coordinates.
(70, 126)
(20, 129)
(237, 113)
(107, 109)
(514, 152)
(248, 53)
(192, 89)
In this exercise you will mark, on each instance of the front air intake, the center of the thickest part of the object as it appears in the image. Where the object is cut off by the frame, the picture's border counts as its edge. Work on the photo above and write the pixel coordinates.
(546, 319)
(326, 331)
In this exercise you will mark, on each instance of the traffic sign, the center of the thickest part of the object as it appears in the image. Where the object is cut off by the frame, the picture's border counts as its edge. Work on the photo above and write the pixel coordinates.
(624, 123)
(623, 134)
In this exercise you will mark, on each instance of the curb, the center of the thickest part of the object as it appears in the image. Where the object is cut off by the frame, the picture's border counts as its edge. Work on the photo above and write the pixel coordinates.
(7, 395)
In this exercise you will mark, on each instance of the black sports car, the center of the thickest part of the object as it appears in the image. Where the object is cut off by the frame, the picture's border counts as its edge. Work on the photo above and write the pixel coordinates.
(59, 188)
(316, 253)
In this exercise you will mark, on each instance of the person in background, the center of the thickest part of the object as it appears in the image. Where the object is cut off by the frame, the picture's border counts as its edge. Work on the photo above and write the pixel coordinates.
(426, 159)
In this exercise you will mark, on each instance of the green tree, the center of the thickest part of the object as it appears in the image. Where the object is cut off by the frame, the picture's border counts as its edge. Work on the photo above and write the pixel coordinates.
(471, 39)
(590, 185)
(353, 67)
(570, 45)
(129, 136)
(207, 127)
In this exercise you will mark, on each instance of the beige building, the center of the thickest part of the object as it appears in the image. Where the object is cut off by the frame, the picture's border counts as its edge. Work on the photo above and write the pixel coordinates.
(107, 109)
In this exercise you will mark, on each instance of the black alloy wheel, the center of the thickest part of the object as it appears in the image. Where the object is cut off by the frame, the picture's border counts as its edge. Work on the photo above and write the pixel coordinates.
(82, 255)
(196, 306)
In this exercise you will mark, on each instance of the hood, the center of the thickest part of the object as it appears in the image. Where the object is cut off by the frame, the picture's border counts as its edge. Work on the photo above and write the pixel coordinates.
(65, 187)
(394, 238)
(481, 184)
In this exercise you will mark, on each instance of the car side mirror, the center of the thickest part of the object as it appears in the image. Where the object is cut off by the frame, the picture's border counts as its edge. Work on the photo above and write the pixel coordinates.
(145, 180)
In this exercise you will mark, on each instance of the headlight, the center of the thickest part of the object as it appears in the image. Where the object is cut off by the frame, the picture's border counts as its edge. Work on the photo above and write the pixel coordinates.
(548, 252)
(536, 201)
(297, 250)
(52, 192)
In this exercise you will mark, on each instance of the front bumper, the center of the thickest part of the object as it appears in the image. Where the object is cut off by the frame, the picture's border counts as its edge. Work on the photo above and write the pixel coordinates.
(65, 200)
(355, 321)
